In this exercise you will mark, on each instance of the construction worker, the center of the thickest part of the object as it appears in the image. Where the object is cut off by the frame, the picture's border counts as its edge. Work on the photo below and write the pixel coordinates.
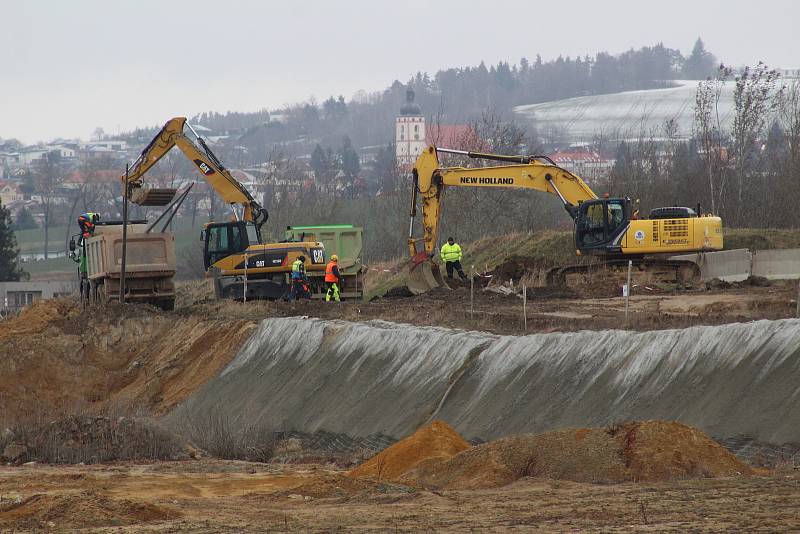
(299, 282)
(87, 221)
(451, 256)
(332, 279)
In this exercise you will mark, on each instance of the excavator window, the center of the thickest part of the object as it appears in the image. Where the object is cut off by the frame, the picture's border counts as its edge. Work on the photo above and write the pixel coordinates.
(224, 239)
(599, 222)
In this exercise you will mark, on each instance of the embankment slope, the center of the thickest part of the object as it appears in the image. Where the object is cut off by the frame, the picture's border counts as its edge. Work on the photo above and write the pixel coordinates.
(364, 378)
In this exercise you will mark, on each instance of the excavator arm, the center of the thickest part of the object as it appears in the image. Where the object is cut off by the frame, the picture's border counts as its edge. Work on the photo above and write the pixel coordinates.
(527, 172)
(226, 186)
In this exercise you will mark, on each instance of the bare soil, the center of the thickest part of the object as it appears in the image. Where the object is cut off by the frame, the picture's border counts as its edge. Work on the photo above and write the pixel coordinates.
(548, 309)
(218, 496)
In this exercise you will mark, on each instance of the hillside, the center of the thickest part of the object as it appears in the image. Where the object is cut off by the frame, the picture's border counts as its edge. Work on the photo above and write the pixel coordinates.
(624, 115)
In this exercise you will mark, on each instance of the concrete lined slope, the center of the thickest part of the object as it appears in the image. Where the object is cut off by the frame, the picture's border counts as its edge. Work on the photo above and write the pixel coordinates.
(364, 378)
(352, 378)
(736, 379)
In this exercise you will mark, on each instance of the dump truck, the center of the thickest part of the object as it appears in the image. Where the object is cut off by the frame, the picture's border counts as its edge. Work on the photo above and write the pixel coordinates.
(344, 240)
(149, 265)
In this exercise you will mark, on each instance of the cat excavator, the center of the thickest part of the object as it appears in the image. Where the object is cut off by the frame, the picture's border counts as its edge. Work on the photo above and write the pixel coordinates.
(233, 252)
(605, 227)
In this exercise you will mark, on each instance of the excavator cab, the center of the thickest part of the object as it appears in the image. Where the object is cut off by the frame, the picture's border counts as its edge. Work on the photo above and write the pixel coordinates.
(220, 240)
(600, 225)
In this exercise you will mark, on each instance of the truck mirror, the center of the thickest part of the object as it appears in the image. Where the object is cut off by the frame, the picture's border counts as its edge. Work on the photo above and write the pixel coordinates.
(202, 235)
(72, 244)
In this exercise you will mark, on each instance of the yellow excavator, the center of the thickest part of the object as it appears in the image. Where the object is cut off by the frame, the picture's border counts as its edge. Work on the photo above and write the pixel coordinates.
(233, 252)
(608, 227)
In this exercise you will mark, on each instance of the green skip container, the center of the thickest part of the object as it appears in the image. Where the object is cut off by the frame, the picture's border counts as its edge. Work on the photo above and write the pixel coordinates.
(344, 240)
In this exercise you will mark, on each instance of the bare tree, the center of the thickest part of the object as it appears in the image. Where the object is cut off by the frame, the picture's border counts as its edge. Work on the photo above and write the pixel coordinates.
(48, 179)
(755, 101)
(789, 118)
(708, 132)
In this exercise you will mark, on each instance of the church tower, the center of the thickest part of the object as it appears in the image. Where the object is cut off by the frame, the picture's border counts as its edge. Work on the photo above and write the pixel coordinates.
(409, 135)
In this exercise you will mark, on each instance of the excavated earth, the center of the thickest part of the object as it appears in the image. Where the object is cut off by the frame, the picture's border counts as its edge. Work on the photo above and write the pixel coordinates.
(73, 376)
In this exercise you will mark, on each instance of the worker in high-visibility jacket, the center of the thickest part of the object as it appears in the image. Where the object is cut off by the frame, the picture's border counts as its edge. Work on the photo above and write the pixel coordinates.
(299, 282)
(86, 222)
(451, 256)
(332, 279)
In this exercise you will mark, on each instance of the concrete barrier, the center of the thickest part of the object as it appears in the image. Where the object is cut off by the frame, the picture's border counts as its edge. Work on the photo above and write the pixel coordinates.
(728, 265)
(777, 264)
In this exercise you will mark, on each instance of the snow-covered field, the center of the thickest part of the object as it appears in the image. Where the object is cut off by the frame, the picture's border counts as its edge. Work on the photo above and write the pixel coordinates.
(623, 115)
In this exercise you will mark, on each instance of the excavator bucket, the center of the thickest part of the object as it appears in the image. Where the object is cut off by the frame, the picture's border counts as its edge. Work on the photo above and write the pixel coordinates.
(424, 275)
(152, 196)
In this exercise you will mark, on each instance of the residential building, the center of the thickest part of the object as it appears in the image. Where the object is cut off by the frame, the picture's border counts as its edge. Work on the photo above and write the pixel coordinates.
(10, 193)
(585, 162)
(16, 295)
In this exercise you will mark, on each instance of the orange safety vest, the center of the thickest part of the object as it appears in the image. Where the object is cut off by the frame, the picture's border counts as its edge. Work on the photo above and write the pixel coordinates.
(329, 276)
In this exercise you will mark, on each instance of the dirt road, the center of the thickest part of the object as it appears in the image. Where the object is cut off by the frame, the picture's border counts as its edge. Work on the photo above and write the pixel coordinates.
(219, 496)
(548, 310)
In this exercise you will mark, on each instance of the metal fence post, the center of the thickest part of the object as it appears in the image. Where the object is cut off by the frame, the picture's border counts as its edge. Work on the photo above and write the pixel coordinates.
(628, 291)
(244, 297)
(525, 307)
(472, 292)
(124, 238)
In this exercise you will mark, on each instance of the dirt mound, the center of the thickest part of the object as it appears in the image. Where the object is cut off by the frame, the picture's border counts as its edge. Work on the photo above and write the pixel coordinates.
(37, 317)
(434, 441)
(85, 509)
(637, 451)
(58, 359)
(518, 267)
(665, 450)
(91, 440)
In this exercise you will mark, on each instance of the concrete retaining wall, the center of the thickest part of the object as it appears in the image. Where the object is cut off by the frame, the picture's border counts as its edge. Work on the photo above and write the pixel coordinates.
(781, 264)
(739, 264)
(368, 378)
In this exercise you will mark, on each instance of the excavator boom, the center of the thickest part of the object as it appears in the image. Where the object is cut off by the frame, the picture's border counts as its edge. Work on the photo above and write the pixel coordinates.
(529, 172)
(226, 186)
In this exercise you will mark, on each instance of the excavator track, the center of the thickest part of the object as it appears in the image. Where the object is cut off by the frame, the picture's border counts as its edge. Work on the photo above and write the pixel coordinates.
(644, 271)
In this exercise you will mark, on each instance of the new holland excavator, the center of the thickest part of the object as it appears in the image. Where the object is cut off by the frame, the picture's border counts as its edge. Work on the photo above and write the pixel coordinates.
(605, 227)
(233, 252)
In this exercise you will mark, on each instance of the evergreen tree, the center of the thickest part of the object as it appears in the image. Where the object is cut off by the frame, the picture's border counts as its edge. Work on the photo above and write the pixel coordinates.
(9, 270)
(24, 220)
(319, 162)
(349, 159)
(700, 64)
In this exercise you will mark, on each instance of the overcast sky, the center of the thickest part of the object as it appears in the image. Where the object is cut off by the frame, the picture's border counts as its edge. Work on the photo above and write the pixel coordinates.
(69, 67)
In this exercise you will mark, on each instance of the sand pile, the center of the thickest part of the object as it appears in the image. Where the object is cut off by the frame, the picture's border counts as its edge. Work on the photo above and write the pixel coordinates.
(636, 451)
(432, 443)
(664, 450)
(86, 509)
(38, 316)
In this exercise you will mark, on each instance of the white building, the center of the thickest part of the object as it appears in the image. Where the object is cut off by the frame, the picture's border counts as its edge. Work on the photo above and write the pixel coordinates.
(409, 133)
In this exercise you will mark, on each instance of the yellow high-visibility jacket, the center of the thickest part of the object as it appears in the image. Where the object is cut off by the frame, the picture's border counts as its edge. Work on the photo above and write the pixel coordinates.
(450, 252)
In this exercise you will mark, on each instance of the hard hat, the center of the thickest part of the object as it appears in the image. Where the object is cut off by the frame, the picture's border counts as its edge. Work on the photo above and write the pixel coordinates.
(334, 258)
